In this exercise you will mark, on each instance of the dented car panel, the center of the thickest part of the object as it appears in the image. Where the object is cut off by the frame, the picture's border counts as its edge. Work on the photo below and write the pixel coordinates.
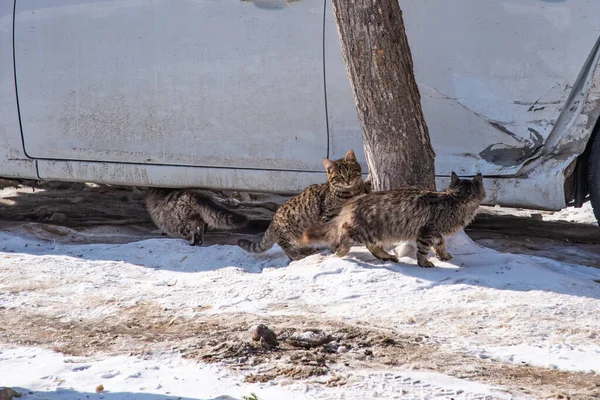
(496, 79)
(258, 93)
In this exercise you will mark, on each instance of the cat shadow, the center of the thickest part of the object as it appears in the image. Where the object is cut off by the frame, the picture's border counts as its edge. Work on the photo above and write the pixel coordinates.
(69, 394)
(159, 254)
(475, 265)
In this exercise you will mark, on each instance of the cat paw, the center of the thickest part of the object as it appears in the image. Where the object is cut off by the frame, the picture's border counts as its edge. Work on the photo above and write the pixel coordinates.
(342, 253)
(390, 258)
(425, 264)
(444, 256)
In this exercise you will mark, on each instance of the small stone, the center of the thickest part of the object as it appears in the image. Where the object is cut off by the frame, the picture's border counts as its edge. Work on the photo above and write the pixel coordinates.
(265, 336)
(8, 394)
(332, 347)
(309, 339)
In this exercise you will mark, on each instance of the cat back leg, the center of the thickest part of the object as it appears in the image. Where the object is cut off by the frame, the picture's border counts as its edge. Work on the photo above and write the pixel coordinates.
(203, 233)
(424, 243)
(439, 249)
(380, 253)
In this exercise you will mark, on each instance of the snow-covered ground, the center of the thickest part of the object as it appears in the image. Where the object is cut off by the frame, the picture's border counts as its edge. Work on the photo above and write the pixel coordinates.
(157, 319)
(583, 215)
(50, 375)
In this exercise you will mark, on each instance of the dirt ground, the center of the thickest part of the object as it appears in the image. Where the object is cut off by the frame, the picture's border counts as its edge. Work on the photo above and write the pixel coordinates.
(87, 213)
(144, 330)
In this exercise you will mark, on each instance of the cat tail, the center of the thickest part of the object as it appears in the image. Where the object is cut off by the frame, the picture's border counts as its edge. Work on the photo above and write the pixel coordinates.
(321, 234)
(265, 243)
(218, 216)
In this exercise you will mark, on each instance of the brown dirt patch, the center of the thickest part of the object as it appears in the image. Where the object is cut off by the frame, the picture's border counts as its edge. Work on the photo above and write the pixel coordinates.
(146, 329)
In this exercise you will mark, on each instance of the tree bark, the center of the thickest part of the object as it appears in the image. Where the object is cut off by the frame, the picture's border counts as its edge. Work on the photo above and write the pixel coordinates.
(380, 67)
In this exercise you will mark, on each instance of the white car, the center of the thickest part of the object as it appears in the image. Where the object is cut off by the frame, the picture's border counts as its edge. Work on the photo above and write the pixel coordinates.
(253, 94)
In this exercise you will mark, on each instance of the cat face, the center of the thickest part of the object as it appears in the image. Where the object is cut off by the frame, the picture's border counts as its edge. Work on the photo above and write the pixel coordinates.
(343, 173)
(473, 187)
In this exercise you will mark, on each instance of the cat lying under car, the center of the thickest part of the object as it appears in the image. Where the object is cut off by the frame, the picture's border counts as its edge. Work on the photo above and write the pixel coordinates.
(188, 213)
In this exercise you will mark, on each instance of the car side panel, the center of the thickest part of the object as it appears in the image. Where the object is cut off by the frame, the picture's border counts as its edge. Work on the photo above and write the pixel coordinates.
(235, 84)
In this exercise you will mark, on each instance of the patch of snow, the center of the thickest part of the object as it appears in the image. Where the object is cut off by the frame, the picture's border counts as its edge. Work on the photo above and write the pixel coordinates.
(583, 215)
(557, 356)
(45, 375)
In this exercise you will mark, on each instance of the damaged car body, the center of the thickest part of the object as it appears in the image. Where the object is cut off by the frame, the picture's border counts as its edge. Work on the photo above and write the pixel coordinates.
(137, 92)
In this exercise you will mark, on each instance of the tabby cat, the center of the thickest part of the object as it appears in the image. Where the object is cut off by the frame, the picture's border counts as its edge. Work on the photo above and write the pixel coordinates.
(317, 203)
(187, 213)
(387, 217)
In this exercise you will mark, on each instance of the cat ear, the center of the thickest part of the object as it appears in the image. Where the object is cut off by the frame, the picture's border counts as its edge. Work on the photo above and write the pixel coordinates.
(478, 179)
(454, 179)
(350, 156)
(328, 164)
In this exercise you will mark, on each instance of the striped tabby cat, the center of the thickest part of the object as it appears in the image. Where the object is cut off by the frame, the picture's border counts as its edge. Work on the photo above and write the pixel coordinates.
(317, 203)
(387, 217)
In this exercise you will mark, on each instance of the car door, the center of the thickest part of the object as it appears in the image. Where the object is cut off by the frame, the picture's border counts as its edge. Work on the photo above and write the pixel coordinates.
(227, 83)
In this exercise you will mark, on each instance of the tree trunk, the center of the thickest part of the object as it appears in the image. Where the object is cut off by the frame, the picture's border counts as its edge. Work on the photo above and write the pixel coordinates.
(380, 68)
